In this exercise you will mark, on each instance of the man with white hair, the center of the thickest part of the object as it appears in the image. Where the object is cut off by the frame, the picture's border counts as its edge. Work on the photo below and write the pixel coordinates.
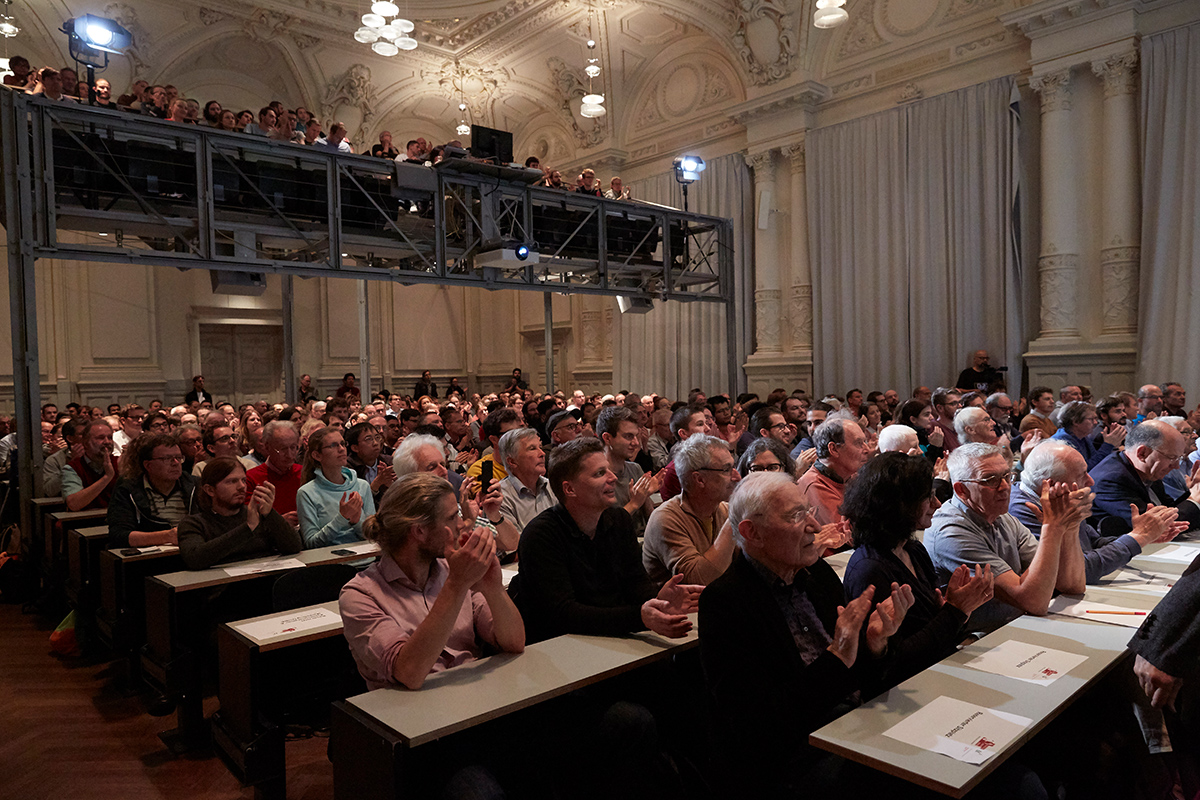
(1176, 479)
(1134, 477)
(898, 439)
(688, 535)
(974, 424)
(782, 606)
(974, 528)
(1058, 462)
(1077, 423)
(421, 452)
(525, 492)
(841, 451)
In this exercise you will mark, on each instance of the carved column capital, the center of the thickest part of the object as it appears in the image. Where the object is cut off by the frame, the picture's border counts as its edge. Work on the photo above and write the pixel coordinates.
(761, 163)
(1055, 89)
(795, 154)
(1119, 73)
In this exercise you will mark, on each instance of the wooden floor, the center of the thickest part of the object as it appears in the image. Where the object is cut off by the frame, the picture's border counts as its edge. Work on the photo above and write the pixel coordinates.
(66, 733)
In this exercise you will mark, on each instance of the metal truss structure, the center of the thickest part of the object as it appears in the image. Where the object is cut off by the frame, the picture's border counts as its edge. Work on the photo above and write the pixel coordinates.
(190, 196)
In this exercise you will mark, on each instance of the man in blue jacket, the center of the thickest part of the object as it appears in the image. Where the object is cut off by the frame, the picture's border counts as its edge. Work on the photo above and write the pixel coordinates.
(1152, 449)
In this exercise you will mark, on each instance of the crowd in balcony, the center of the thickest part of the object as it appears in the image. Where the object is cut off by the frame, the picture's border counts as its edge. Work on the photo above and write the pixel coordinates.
(273, 121)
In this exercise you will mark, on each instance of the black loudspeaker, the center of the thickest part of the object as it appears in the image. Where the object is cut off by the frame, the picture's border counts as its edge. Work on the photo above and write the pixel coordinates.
(251, 284)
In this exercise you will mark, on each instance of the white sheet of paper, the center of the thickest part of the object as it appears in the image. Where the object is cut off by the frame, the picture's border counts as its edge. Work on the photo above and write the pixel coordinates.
(264, 566)
(960, 730)
(370, 548)
(1026, 662)
(508, 573)
(159, 548)
(1175, 552)
(291, 622)
(1068, 606)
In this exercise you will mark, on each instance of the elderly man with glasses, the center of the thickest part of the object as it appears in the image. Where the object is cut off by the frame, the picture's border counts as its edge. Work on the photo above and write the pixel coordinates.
(1135, 477)
(280, 469)
(842, 449)
(689, 535)
(976, 528)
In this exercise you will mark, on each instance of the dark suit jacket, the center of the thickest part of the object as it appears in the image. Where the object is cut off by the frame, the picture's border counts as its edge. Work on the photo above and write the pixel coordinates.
(1118, 484)
(1170, 637)
(765, 699)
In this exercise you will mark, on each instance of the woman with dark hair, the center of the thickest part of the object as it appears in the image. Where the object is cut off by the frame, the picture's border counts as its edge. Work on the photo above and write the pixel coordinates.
(918, 415)
(766, 454)
(228, 528)
(890, 498)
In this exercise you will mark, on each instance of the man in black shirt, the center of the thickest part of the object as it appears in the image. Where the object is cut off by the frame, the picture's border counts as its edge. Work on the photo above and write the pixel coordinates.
(980, 376)
(581, 566)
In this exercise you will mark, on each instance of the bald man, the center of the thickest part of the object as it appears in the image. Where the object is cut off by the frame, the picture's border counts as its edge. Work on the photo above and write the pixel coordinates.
(1152, 449)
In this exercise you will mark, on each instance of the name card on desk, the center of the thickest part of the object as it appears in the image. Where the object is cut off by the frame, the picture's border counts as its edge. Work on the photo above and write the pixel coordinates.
(1026, 662)
(264, 566)
(293, 622)
(960, 730)
(158, 548)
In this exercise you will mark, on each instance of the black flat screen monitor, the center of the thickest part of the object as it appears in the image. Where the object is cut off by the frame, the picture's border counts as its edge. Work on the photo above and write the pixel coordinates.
(491, 143)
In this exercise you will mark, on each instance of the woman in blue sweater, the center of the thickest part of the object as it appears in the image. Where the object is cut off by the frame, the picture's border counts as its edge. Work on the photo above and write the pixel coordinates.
(333, 502)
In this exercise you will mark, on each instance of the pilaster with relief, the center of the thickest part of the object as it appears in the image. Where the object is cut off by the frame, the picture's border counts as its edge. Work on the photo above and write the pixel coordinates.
(767, 292)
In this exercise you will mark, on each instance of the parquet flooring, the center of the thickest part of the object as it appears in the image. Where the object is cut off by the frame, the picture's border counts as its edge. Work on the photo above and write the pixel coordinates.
(66, 733)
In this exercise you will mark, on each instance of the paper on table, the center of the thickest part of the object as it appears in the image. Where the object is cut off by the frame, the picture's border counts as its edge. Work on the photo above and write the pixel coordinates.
(370, 548)
(1076, 607)
(159, 548)
(264, 566)
(291, 622)
(963, 731)
(1026, 662)
(1175, 552)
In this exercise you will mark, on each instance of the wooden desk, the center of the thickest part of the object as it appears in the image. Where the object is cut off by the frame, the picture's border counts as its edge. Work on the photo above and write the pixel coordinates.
(255, 674)
(858, 735)
(40, 508)
(174, 609)
(373, 735)
(121, 617)
(57, 524)
(84, 546)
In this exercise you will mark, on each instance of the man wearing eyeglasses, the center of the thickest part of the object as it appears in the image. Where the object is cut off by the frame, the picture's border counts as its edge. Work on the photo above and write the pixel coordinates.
(280, 469)
(975, 528)
(1135, 477)
(152, 496)
(841, 451)
(688, 535)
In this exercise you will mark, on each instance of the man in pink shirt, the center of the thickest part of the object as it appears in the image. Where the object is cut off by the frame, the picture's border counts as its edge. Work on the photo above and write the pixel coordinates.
(434, 595)
(841, 450)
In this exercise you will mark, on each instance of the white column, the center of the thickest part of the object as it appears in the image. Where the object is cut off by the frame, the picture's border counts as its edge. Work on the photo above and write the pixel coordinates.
(766, 256)
(800, 310)
(1121, 201)
(1058, 260)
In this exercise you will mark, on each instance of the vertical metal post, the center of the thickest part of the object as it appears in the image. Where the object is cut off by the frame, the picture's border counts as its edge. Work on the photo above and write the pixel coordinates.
(547, 302)
(289, 343)
(364, 353)
(18, 223)
(729, 293)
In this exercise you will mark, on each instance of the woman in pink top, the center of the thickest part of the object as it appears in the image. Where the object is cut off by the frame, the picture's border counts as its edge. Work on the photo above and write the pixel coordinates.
(436, 594)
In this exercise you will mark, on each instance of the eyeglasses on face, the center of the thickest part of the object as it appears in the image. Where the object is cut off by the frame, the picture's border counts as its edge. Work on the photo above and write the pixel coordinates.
(726, 469)
(992, 481)
(170, 459)
(776, 467)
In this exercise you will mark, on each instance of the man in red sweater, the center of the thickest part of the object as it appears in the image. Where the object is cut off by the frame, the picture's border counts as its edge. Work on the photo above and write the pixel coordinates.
(280, 469)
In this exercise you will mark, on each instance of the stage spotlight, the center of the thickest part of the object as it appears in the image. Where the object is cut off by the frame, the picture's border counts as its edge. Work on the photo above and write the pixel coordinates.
(688, 168)
(522, 252)
(99, 33)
